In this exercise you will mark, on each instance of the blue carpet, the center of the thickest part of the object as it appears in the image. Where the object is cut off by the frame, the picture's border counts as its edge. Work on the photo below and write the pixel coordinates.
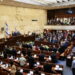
(67, 70)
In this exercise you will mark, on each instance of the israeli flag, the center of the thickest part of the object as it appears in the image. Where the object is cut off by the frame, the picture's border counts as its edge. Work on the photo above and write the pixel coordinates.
(6, 29)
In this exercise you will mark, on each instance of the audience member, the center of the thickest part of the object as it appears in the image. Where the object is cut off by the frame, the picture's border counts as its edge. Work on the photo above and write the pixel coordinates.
(41, 57)
(22, 60)
(31, 61)
(18, 72)
(73, 66)
(13, 68)
(5, 54)
(48, 68)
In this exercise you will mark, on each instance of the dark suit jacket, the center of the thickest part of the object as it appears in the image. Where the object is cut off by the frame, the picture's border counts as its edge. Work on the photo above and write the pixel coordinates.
(24, 45)
(54, 49)
(47, 68)
(29, 51)
(54, 59)
(41, 57)
(37, 72)
(61, 49)
(24, 52)
(41, 48)
(5, 54)
(31, 62)
(14, 53)
(18, 73)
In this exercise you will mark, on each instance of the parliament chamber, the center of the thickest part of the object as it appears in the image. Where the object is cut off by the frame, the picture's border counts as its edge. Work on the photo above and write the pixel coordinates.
(37, 37)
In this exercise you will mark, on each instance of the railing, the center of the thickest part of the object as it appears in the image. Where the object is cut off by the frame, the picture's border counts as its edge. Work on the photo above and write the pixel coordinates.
(60, 27)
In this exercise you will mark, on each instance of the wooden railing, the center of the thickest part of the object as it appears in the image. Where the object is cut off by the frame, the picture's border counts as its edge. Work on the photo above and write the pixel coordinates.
(12, 40)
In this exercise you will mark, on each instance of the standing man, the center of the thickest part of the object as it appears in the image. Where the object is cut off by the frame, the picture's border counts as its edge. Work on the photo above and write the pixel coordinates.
(73, 66)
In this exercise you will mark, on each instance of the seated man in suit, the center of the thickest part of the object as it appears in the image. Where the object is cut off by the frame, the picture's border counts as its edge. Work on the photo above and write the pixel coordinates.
(18, 72)
(30, 44)
(61, 49)
(24, 51)
(54, 48)
(36, 72)
(10, 51)
(41, 57)
(5, 54)
(48, 68)
(53, 56)
(41, 47)
(31, 61)
(6, 48)
(14, 52)
(29, 51)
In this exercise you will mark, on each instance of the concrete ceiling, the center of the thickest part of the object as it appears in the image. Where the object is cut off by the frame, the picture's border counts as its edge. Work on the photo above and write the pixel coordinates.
(25, 5)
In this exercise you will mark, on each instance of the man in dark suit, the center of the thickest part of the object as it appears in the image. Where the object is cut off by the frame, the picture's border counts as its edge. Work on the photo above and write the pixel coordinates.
(24, 45)
(24, 51)
(18, 72)
(54, 48)
(5, 54)
(30, 46)
(6, 49)
(29, 51)
(14, 52)
(73, 66)
(48, 68)
(36, 72)
(41, 47)
(31, 61)
(53, 56)
(61, 49)
(41, 57)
